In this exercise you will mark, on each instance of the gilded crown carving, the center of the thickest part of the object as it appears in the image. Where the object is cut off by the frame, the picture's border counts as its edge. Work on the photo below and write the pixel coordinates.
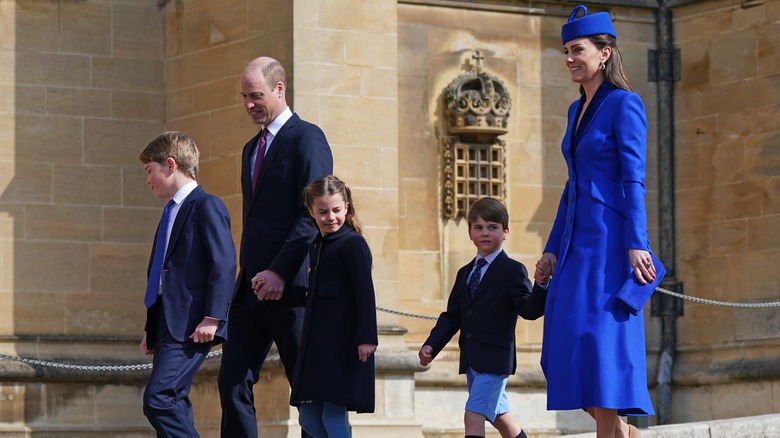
(477, 103)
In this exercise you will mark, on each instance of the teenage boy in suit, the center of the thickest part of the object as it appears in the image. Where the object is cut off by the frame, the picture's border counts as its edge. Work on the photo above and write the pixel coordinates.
(488, 295)
(190, 282)
(270, 292)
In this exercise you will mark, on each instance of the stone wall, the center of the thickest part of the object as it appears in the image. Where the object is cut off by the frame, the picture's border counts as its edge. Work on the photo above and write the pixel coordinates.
(727, 156)
(82, 93)
(85, 85)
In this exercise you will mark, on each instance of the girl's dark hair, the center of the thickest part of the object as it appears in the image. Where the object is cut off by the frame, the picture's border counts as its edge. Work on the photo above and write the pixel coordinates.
(330, 185)
(613, 68)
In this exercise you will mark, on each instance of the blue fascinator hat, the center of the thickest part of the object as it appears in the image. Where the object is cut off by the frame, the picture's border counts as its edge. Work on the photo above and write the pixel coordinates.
(593, 24)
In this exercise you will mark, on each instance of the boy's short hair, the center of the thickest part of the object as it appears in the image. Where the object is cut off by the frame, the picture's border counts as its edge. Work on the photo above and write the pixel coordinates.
(176, 145)
(490, 210)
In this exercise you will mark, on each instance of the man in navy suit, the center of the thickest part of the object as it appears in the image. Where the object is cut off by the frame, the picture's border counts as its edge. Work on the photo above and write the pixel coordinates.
(190, 280)
(270, 291)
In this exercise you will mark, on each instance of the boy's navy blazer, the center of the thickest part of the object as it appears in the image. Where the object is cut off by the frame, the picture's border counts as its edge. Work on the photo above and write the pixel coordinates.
(199, 268)
(487, 322)
(277, 226)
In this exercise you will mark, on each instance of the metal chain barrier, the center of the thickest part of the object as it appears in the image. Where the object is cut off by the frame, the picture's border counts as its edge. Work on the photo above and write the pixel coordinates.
(408, 315)
(145, 366)
(716, 303)
(99, 368)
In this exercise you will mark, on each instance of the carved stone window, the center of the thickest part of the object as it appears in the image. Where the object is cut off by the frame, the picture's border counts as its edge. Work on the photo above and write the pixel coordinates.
(473, 157)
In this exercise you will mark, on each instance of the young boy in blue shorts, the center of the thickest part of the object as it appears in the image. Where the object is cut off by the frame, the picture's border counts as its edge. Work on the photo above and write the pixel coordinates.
(488, 295)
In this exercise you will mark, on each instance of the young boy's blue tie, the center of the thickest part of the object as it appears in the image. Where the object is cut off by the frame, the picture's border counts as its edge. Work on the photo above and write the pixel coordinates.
(159, 255)
(475, 276)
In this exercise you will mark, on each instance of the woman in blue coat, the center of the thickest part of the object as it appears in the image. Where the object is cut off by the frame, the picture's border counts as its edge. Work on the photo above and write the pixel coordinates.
(593, 353)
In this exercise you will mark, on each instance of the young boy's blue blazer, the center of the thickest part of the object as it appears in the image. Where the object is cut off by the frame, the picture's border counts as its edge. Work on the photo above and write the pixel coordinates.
(199, 268)
(487, 322)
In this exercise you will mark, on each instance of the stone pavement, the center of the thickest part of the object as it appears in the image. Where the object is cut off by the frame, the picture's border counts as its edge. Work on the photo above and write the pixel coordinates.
(764, 426)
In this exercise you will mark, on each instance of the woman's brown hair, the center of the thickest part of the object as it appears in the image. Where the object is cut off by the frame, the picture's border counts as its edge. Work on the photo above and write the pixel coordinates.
(613, 67)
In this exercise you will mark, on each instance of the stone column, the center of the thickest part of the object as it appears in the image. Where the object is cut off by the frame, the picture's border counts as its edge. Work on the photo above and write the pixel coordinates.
(345, 79)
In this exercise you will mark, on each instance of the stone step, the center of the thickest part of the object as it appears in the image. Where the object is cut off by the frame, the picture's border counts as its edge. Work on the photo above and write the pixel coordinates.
(763, 426)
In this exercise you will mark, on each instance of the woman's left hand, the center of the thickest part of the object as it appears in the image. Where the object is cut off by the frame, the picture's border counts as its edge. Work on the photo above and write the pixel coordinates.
(642, 264)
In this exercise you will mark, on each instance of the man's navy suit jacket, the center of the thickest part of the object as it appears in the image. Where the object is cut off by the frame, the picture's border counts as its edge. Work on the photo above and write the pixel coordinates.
(199, 267)
(277, 226)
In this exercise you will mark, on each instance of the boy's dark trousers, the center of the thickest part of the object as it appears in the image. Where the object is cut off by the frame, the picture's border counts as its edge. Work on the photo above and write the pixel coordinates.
(166, 398)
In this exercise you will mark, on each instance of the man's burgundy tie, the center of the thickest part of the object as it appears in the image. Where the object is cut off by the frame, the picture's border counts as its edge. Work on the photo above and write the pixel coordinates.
(259, 158)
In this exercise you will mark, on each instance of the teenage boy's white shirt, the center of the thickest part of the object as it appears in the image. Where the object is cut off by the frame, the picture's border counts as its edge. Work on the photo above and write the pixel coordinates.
(178, 198)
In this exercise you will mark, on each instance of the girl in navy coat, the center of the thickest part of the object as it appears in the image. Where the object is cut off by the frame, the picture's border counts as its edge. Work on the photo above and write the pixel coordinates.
(335, 369)
(593, 353)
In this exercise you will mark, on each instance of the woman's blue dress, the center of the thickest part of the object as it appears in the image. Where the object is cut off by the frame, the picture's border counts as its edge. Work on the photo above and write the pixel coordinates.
(593, 353)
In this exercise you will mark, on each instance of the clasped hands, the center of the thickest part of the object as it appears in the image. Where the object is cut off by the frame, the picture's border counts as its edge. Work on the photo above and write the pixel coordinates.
(544, 268)
(268, 286)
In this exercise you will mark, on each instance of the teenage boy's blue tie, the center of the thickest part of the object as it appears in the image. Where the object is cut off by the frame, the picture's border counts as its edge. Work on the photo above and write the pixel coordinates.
(475, 276)
(159, 254)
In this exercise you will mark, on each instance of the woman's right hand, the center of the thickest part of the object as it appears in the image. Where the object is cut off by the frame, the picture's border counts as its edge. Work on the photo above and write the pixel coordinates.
(642, 264)
(545, 267)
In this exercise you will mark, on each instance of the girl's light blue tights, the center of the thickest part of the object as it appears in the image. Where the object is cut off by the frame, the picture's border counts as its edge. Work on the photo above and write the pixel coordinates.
(324, 420)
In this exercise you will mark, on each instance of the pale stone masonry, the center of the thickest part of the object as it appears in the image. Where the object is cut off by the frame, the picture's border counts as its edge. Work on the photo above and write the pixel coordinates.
(84, 85)
(728, 198)
(82, 90)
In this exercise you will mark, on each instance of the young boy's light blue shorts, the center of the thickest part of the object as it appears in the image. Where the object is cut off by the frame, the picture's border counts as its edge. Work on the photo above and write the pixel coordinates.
(487, 394)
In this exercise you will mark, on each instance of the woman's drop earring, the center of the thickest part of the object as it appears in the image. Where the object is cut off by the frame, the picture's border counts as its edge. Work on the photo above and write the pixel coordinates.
(603, 66)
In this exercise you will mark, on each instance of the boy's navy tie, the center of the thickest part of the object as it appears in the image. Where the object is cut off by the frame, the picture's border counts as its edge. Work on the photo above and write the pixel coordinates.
(159, 254)
(259, 158)
(475, 276)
